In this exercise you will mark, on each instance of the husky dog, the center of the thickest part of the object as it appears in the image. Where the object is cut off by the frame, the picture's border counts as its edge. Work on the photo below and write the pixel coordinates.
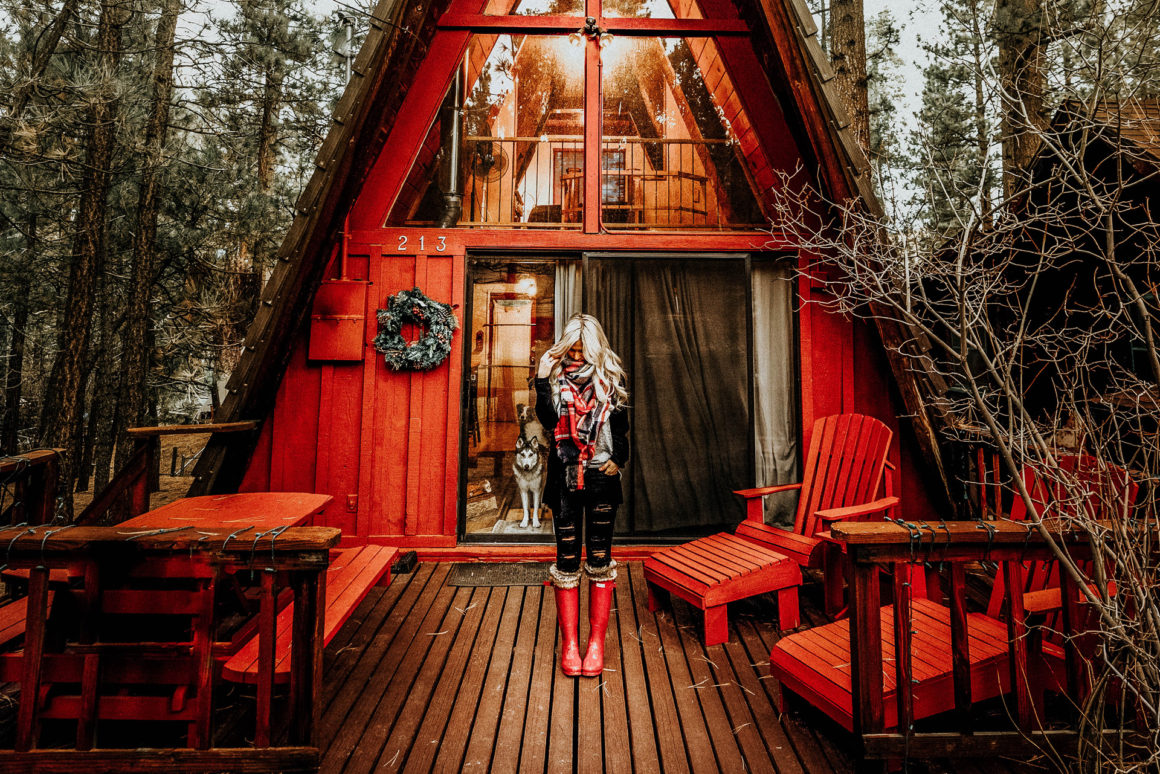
(531, 474)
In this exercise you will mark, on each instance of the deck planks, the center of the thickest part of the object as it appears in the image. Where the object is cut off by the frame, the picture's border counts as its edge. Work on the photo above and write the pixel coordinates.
(427, 677)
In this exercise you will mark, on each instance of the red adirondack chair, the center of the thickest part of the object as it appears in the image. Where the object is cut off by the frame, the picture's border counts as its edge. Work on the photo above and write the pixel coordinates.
(1108, 493)
(817, 665)
(843, 474)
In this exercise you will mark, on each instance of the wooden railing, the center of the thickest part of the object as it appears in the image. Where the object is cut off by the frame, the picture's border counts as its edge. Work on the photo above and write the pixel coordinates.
(127, 494)
(903, 549)
(28, 487)
(106, 660)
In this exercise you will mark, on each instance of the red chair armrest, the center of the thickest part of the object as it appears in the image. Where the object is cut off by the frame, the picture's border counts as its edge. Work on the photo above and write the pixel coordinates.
(762, 491)
(855, 512)
(754, 510)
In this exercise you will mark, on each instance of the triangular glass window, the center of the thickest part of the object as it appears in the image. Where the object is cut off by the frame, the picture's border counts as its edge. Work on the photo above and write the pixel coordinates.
(677, 148)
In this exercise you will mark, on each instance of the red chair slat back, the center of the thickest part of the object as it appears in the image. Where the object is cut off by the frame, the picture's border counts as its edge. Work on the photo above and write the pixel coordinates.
(1103, 491)
(843, 466)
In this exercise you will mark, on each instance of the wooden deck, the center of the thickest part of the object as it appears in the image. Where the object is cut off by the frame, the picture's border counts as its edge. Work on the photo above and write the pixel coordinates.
(427, 677)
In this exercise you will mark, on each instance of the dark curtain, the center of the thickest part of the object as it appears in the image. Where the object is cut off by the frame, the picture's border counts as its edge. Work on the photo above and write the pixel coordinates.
(681, 328)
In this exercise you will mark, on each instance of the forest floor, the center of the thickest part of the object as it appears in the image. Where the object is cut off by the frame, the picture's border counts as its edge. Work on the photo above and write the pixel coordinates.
(173, 487)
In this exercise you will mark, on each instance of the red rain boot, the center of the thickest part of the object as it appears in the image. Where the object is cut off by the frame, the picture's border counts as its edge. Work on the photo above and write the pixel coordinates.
(568, 614)
(599, 605)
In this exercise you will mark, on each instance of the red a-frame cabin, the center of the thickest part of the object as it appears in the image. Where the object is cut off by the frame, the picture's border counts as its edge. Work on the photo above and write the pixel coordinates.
(524, 160)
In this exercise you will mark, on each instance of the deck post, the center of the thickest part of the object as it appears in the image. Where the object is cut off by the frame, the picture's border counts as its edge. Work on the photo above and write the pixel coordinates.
(267, 640)
(27, 725)
(306, 654)
(865, 649)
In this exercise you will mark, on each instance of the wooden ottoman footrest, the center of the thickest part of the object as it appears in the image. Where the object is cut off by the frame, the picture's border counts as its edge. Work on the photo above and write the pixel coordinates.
(716, 570)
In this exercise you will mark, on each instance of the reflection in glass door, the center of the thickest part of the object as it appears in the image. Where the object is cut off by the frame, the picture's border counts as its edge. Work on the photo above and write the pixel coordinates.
(512, 318)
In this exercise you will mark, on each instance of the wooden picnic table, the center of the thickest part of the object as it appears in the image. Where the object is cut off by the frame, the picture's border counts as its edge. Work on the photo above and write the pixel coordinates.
(262, 511)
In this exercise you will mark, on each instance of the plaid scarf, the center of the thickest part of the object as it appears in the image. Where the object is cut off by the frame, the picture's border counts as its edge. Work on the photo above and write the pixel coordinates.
(581, 416)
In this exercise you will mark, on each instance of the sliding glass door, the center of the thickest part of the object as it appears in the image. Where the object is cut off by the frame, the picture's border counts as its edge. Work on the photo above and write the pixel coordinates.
(707, 342)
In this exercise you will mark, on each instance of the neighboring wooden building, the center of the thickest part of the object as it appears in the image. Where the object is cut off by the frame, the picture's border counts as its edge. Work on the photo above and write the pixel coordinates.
(522, 164)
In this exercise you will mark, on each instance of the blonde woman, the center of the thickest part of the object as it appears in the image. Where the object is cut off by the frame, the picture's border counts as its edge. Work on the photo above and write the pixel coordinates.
(581, 395)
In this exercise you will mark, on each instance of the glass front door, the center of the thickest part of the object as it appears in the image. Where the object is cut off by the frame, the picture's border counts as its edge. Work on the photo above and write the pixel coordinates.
(707, 342)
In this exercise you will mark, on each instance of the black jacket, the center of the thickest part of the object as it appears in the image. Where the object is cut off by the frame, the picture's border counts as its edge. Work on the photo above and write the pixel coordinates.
(546, 413)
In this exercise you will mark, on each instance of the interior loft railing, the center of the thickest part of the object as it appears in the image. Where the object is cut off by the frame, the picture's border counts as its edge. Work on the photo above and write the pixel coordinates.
(538, 182)
(523, 182)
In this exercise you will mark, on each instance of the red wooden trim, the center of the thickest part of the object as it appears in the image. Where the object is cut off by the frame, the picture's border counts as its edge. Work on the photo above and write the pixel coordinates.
(593, 123)
(549, 25)
(27, 722)
(866, 650)
(461, 240)
(454, 402)
(324, 437)
(415, 459)
(306, 644)
(805, 351)
(1076, 684)
(369, 499)
(409, 130)
(903, 650)
(1017, 635)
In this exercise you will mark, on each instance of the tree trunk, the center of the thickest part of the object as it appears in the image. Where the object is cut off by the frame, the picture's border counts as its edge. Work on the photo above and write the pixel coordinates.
(246, 283)
(65, 397)
(44, 49)
(82, 450)
(982, 138)
(136, 360)
(106, 392)
(14, 376)
(1021, 38)
(848, 55)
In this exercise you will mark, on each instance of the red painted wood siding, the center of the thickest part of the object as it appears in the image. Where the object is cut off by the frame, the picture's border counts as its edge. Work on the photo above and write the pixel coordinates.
(385, 444)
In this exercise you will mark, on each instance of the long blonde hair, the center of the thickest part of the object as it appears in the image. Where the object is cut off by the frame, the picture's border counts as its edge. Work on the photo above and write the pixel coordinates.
(608, 375)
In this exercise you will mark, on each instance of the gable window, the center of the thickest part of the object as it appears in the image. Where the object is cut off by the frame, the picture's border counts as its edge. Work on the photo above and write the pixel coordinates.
(654, 111)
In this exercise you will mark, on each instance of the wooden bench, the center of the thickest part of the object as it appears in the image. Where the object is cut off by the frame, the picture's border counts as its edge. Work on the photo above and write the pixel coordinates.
(719, 569)
(349, 579)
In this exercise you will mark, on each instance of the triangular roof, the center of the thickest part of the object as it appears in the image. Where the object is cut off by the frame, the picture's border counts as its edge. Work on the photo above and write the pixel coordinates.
(399, 39)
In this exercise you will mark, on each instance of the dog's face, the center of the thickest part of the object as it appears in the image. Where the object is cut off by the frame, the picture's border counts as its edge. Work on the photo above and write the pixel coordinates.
(527, 452)
(524, 413)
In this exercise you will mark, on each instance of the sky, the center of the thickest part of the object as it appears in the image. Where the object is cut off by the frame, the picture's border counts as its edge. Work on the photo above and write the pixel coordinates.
(918, 21)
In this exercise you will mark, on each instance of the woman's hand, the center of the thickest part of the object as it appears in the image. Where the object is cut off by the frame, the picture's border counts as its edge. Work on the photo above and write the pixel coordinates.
(609, 468)
(545, 368)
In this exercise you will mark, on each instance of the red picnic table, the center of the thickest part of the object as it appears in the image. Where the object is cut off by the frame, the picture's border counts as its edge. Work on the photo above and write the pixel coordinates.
(261, 511)
(353, 571)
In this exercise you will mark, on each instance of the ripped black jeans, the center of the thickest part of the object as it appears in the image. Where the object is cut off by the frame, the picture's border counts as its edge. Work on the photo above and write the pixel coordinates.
(595, 506)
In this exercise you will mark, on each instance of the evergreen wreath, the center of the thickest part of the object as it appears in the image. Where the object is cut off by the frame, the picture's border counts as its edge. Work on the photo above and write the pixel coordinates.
(429, 350)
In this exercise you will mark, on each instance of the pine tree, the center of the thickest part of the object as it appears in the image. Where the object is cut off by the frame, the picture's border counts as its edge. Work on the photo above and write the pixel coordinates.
(64, 403)
(266, 98)
(136, 361)
(951, 150)
(884, 93)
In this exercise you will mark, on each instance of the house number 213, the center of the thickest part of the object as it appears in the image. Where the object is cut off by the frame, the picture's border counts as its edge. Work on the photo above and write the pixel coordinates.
(440, 243)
